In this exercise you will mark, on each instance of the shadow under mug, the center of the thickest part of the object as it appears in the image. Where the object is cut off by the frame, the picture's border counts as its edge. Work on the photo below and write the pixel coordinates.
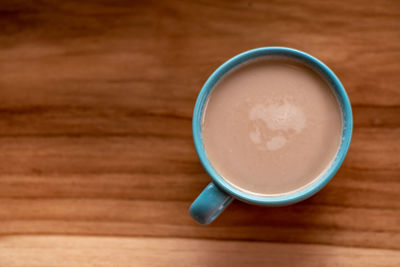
(219, 193)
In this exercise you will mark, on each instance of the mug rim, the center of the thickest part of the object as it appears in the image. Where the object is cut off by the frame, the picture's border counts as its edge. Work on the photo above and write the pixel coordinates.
(315, 186)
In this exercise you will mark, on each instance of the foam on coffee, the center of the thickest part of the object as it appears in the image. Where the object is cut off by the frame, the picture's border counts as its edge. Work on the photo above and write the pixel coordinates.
(271, 126)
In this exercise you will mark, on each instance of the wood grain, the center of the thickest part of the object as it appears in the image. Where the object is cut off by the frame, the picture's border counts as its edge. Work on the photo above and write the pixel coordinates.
(102, 251)
(96, 101)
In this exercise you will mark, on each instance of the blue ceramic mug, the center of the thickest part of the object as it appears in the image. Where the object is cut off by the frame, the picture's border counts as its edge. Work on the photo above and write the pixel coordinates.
(219, 193)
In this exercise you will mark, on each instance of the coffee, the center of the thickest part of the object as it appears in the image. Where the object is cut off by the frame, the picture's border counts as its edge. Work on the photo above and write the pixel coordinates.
(271, 126)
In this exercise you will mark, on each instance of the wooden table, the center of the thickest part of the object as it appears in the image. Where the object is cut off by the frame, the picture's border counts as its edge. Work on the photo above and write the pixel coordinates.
(97, 164)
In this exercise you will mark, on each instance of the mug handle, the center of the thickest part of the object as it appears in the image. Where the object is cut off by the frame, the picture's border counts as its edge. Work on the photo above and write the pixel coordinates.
(209, 204)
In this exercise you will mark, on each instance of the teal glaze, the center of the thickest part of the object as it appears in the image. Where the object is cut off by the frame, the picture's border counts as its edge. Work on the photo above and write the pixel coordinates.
(219, 194)
(211, 202)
